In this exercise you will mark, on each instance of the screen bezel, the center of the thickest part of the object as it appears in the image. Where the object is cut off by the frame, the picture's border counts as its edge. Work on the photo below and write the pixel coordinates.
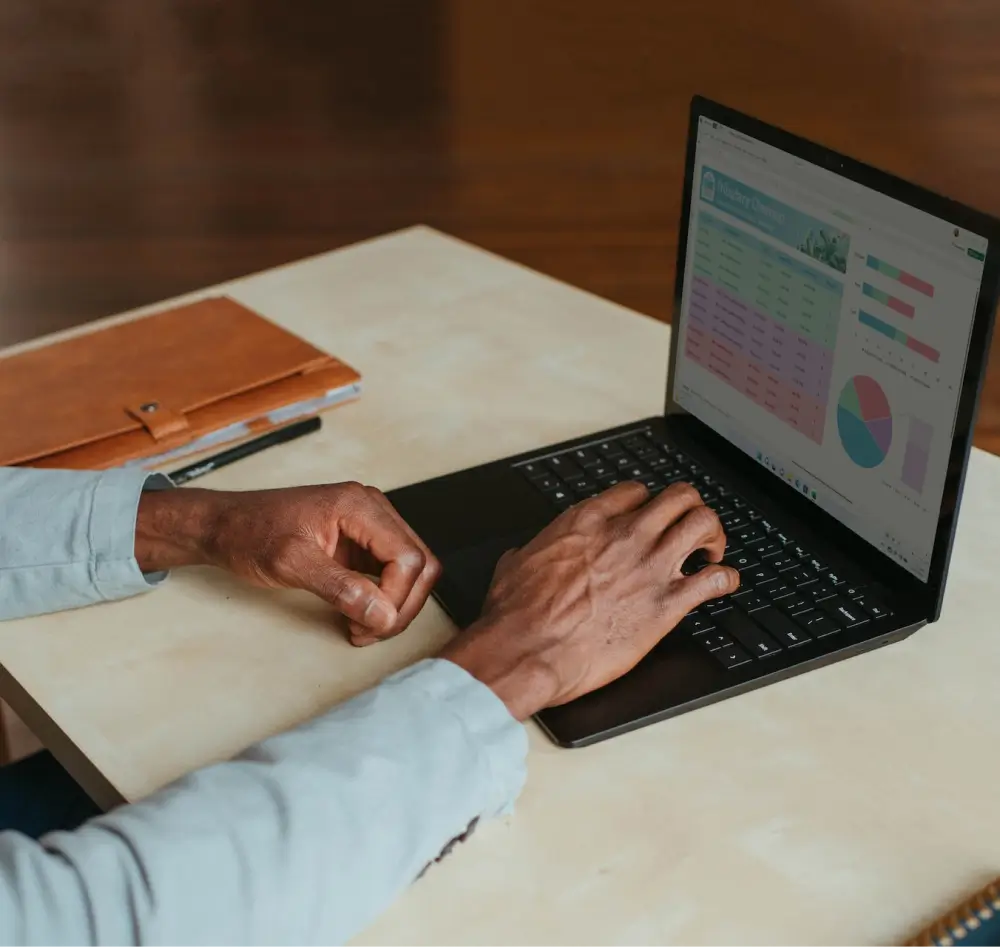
(928, 594)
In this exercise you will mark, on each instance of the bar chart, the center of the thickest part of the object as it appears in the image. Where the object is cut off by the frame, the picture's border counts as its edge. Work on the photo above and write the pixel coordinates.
(892, 302)
(901, 276)
(897, 335)
(918, 451)
(763, 322)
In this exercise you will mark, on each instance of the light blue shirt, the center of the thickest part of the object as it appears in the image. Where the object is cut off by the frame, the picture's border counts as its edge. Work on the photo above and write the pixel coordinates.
(304, 838)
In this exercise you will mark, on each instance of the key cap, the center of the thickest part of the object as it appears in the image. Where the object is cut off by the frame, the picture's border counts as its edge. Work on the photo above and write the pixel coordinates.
(714, 640)
(834, 579)
(656, 461)
(799, 577)
(818, 565)
(760, 575)
(781, 562)
(621, 461)
(731, 657)
(795, 605)
(734, 520)
(872, 607)
(751, 601)
(781, 627)
(610, 448)
(585, 457)
(817, 624)
(534, 470)
(674, 476)
(779, 591)
(820, 591)
(851, 591)
(696, 624)
(561, 495)
(635, 472)
(748, 633)
(761, 550)
(582, 485)
(651, 483)
(547, 483)
(606, 483)
(741, 560)
(797, 551)
(782, 538)
(717, 605)
(563, 505)
(565, 468)
(846, 613)
(767, 526)
(587, 494)
(600, 469)
(747, 535)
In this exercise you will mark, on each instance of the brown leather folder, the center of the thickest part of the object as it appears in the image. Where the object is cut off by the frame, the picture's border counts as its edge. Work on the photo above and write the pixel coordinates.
(160, 387)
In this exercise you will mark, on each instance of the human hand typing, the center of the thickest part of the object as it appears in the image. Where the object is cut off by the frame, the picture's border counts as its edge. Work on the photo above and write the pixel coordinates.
(325, 539)
(590, 596)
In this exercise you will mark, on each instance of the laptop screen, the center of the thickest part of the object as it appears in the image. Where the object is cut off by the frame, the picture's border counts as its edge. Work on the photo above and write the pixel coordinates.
(824, 330)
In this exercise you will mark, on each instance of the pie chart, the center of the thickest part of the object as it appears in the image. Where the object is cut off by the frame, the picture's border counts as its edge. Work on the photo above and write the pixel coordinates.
(864, 421)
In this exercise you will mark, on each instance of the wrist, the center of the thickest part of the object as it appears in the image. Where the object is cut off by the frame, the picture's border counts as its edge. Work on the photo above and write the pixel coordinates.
(173, 528)
(524, 681)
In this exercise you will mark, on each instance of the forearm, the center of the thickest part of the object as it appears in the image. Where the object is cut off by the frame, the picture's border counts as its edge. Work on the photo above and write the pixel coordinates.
(172, 529)
(306, 838)
(67, 538)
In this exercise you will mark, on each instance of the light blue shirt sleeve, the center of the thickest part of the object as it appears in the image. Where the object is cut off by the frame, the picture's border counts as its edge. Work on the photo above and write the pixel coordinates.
(67, 538)
(304, 838)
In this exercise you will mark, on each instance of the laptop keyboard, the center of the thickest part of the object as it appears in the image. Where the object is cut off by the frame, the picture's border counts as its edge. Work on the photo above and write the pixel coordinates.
(787, 596)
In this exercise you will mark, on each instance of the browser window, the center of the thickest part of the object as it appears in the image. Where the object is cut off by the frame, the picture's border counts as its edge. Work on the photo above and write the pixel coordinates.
(824, 330)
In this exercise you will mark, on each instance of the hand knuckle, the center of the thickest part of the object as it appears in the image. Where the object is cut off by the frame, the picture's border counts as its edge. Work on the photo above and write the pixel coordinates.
(345, 591)
(413, 560)
(706, 519)
(684, 491)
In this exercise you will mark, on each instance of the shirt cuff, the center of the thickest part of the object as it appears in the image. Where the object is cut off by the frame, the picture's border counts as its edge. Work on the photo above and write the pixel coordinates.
(113, 512)
(502, 740)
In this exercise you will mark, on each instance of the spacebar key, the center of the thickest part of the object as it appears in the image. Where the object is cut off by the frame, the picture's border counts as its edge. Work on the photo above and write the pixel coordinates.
(747, 632)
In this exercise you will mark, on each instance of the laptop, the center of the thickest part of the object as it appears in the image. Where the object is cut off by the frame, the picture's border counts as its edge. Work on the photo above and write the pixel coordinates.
(830, 337)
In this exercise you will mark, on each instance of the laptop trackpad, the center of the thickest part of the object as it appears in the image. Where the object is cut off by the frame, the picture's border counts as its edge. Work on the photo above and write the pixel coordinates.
(468, 574)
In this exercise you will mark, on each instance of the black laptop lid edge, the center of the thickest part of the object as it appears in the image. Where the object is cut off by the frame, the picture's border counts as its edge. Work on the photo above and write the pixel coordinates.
(929, 594)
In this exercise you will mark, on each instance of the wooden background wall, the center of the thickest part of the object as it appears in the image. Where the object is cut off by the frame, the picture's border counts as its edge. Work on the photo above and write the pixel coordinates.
(148, 147)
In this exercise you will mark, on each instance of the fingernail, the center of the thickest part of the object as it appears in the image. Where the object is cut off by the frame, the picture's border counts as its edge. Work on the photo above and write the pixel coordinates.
(363, 642)
(379, 614)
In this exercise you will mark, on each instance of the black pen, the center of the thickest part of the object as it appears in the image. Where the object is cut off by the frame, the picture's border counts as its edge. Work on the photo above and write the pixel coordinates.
(278, 436)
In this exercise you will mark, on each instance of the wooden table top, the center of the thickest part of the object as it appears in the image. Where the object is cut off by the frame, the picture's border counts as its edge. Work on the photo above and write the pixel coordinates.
(851, 804)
